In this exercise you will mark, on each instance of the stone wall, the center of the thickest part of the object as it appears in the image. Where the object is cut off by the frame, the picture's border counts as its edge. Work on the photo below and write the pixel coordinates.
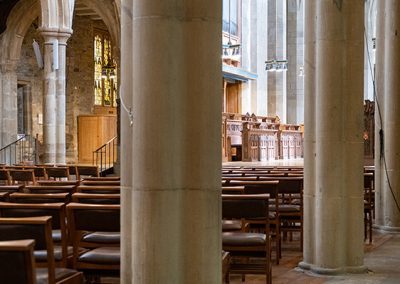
(80, 79)
(28, 73)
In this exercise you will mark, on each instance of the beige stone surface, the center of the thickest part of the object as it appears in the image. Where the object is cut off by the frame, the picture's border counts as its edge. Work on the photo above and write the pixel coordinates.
(171, 167)
(333, 143)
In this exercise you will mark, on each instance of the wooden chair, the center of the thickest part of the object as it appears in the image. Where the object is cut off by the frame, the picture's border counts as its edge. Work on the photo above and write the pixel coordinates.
(290, 190)
(103, 224)
(244, 244)
(59, 233)
(24, 176)
(39, 229)
(268, 187)
(17, 264)
(5, 177)
(91, 171)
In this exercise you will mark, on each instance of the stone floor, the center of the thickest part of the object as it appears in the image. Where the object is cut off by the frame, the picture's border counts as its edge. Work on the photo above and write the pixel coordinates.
(382, 259)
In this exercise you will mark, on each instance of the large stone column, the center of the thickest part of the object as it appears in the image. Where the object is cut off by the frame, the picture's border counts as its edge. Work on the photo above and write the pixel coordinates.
(171, 154)
(8, 98)
(387, 173)
(334, 147)
(54, 96)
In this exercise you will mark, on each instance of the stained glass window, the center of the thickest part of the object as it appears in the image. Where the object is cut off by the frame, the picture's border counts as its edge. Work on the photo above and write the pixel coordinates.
(105, 71)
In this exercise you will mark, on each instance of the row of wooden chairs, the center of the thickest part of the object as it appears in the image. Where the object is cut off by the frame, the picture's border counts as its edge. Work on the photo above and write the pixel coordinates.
(93, 230)
(30, 174)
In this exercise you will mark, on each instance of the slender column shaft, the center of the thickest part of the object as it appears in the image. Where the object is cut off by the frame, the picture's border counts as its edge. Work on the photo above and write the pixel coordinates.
(336, 199)
(172, 153)
(49, 102)
(309, 136)
(389, 174)
(54, 95)
(60, 100)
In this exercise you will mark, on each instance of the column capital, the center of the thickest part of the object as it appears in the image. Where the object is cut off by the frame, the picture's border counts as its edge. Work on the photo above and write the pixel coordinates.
(50, 34)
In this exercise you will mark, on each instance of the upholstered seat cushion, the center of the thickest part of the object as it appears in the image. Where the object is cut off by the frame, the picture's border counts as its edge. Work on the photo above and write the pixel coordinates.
(56, 234)
(41, 255)
(102, 255)
(103, 237)
(231, 225)
(60, 273)
(243, 239)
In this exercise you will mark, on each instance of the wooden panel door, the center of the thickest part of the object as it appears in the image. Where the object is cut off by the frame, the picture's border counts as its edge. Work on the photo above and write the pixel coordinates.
(93, 132)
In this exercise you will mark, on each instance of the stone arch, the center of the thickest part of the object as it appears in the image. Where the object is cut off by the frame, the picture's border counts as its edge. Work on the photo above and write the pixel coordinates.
(109, 13)
(18, 23)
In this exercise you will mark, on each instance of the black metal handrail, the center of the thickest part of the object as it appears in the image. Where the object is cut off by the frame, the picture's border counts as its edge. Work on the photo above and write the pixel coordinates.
(105, 156)
(20, 151)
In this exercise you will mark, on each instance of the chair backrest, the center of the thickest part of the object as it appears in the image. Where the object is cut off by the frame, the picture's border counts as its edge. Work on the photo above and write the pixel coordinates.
(18, 197)
(37, 228)
(93, 198)
(247, 206)
(4, 196)
(24, 176)
(93, 217)
(58, 172)
(58, 182)
(51, 189)
(110, 178)
(101, 182)
(87, 171)
(17, 264)
(5, 176)
(258, 187)
(11, 188)
(98, 189)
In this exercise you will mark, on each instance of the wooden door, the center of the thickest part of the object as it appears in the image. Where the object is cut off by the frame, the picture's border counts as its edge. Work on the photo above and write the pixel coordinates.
(93, 132)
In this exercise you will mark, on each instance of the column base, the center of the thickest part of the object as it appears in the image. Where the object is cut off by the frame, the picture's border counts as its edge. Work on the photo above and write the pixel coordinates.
(333, 271)
(387, 228)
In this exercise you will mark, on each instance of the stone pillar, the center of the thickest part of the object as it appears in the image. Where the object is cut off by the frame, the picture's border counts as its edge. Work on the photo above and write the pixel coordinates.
(60, 98)
(388, 88)
(8, 104)
(333, 144)
(295, 57)
(171, 158)
(54, 96)
(277, 51)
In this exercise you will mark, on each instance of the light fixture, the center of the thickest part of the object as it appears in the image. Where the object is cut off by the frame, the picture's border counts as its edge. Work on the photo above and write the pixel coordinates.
(276, 65)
